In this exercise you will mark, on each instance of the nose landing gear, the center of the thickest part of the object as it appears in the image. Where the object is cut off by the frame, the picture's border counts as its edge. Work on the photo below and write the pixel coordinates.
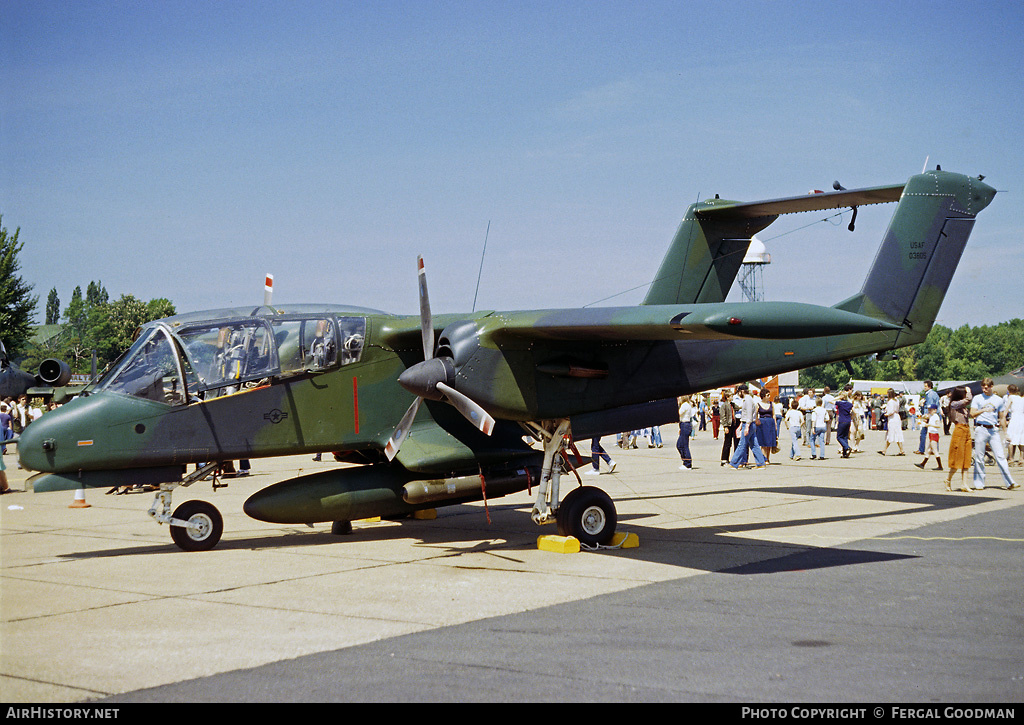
(201, 528)
(195, 525)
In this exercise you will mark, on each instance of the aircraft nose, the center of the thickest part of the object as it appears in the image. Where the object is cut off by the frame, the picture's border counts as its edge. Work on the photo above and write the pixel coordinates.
(61, 440)
(37, 444)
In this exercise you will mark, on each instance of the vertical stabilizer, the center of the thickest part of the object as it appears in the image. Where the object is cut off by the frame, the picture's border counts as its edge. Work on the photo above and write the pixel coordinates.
(705, 255)
(920, 252)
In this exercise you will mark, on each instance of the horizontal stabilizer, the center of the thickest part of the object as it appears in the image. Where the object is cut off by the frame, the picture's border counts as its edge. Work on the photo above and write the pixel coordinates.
(718, 208)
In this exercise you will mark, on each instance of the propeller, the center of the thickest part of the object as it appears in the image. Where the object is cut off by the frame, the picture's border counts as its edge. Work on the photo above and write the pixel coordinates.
(431, 380)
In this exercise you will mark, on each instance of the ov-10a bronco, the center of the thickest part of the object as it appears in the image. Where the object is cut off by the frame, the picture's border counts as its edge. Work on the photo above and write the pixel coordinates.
(440, 410)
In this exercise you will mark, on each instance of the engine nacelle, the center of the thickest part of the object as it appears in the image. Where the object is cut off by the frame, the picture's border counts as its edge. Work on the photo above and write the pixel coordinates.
(55, 373)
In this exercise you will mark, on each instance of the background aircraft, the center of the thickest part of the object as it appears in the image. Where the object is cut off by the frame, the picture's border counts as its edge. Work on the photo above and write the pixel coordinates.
(15, 382)
(1000, 383)
(446, 409)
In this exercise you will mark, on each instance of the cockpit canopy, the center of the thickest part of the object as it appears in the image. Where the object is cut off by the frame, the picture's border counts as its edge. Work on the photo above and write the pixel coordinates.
(204, 360)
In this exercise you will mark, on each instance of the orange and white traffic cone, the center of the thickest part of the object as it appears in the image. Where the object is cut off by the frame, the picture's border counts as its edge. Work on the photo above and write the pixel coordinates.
(80, 500)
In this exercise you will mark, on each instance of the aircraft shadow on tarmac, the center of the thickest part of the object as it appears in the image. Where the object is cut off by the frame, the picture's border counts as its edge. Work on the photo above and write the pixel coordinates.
(772, 556)
(722, 549)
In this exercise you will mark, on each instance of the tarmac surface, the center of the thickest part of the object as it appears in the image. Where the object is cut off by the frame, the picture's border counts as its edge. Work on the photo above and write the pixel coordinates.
(841, 580)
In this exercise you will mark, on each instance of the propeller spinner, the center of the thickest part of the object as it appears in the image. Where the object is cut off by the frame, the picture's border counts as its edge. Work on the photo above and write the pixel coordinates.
(431, 379)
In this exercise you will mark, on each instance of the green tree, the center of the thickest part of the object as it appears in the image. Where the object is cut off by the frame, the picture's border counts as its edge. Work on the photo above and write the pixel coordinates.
(159, 308)
(967, 353)
(108, 328)
(17, 303)
(77, 347)
(126, 314)
(53, 308)
(96, 295)
(932, 355)
(75, 314)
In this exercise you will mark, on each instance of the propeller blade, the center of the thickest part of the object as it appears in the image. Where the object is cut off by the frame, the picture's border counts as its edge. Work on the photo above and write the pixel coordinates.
(268, 290)
(424, 379)
(402, 431)
(472, 411)
(426, 320)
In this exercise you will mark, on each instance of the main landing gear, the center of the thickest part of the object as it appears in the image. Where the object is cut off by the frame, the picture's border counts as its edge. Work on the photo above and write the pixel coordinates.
(195, 525)
(586, 512)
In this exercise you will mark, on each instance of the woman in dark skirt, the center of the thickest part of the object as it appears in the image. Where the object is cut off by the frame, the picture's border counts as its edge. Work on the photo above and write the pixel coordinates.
(767, 436)
(729, 425)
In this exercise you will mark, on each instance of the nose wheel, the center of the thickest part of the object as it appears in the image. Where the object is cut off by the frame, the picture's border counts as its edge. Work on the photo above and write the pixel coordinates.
(200, 528)
(195, 525)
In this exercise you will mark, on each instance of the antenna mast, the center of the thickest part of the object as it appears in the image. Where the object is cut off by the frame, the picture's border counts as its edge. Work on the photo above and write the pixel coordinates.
(480, 273)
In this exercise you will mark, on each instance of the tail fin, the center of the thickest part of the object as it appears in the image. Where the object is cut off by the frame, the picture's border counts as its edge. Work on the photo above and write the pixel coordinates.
(704, 257)
(920, 251)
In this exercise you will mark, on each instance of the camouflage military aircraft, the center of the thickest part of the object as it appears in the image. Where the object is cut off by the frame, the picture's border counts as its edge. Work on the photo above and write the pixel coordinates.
(15, 382)
(1000, 383)
(454, 408)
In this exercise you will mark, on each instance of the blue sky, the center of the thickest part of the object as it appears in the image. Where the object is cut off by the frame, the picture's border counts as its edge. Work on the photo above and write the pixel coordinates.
(184, 149)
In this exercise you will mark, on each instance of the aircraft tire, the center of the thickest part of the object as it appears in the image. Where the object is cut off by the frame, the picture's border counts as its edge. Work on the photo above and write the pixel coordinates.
(587, 513)
(210, 521)
(340, 528)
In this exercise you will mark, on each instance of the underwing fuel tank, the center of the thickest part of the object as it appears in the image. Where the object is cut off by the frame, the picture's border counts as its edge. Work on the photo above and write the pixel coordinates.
(345, 494)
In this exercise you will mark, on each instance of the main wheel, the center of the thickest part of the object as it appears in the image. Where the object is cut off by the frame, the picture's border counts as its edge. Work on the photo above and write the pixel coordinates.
(208, 526)
(588, 514)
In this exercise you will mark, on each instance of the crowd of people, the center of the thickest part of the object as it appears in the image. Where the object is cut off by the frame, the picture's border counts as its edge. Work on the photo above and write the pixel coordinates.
(756, 424)
(16, 414)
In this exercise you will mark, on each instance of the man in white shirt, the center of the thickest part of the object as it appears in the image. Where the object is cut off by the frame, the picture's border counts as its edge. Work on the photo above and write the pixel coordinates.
(20, 414)
(806, 405)
(989, 416)
(747, 431)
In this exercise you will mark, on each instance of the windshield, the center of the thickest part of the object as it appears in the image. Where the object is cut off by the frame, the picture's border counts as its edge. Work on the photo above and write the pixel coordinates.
(207, 360)
(149, 370)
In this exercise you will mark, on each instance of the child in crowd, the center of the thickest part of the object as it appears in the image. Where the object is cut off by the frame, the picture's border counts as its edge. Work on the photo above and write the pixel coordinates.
(934, 426)
(794, 421)
(818, 429)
